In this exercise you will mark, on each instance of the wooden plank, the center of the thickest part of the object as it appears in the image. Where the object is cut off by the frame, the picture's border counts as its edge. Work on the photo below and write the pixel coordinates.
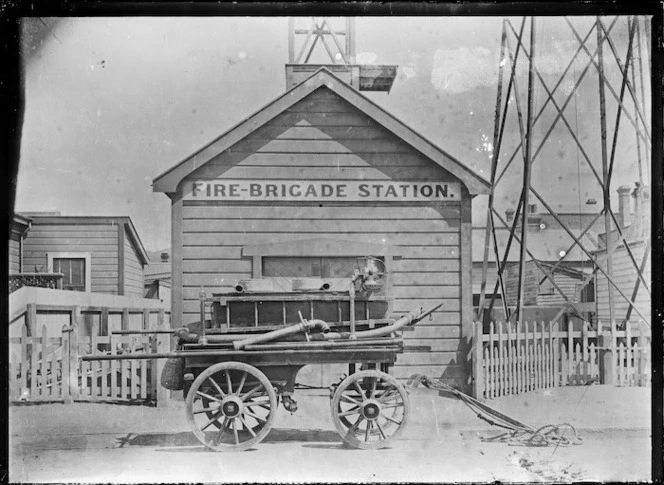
(316, 133)
(124, 375)
(476, 352)
(133, 372)
(492, 366)
(40, 235)
(94, 365)
(94, 229)
(486, 368)
(245, 239)
(510, 360)
(114, 391)
(415, 279)
(144, 379)
(311, 225)
(386, 212)
(427, 291)
(519, 358)
(44, 390)
(428, 358)
(34, 378)
(501, 361)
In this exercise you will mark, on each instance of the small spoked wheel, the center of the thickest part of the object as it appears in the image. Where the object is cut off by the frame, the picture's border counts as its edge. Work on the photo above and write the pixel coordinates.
(231, 406)
(370, 409)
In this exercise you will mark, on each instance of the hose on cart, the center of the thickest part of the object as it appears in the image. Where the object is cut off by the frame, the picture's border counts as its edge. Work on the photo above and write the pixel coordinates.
(518, 433)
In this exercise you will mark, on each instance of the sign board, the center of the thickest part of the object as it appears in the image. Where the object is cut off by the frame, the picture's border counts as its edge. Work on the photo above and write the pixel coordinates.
(319, 191)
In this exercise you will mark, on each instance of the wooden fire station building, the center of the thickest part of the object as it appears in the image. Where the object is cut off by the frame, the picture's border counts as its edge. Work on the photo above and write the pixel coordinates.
(320, 175)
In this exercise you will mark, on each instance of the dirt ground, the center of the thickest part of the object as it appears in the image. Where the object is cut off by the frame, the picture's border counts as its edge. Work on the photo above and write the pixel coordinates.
(90, 443)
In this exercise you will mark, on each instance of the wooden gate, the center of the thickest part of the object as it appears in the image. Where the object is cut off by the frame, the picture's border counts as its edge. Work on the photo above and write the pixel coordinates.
(47, 367)
(523, 357)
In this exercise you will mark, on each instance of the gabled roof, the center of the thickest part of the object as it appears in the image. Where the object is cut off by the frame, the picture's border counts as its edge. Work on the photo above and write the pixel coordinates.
(169, 180)
(105, 220)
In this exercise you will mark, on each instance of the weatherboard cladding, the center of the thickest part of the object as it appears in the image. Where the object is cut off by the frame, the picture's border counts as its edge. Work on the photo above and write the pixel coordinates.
(97, 236)
(625, 277)
(133, 270)
(14, 253)
(101, 241)
(325, 138)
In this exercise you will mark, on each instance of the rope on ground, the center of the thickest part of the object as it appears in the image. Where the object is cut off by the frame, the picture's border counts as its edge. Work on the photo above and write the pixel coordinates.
(519, 434)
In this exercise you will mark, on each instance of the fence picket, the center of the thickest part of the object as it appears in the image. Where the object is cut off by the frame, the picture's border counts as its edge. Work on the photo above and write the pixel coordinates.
(487, 373)
(114, 367)
(501, 361)
(124, 365)
(94, 364)
(510, 361)
(584, 348)
(517, 344)
(43, 389)
(34, 378)
(144, 378)
(629, 354)
(134, 377)
(491, 352)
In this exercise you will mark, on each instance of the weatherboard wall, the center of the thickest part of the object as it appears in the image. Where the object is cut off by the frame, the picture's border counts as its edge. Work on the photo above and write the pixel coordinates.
(324, 138)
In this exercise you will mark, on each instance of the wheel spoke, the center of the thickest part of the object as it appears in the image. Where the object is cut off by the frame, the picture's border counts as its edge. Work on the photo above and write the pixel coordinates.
(389, 391)
(207, 396)
(214, 418)
(217, 387)
(205, 410)
(366, 432)
(251, 392)
(354, 410)
(255, 416)
(350, 399)
(373, 387)
(247, 426)
(359, 389)
(354, 426)
(395, 405)
(228, 382)
(242, 381)
(380, 428)
(258, 404)
(237, 438)
(392, 419)
(221, 431)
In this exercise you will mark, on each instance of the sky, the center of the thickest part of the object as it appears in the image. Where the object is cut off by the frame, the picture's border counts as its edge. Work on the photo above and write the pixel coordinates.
(111, 103)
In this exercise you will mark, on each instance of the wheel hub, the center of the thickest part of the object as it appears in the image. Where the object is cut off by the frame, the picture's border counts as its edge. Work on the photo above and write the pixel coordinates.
(231, 406)
(371, 410)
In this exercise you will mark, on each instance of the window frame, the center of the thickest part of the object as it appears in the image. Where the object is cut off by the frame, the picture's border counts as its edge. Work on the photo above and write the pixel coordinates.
(74, 255)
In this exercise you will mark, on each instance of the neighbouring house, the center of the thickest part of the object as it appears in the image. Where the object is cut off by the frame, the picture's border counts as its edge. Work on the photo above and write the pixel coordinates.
(636, 228)
(83, 253)
(550, 244)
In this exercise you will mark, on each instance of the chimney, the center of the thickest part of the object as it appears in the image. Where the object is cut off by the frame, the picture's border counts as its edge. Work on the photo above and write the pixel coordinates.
(624, 205)
(164, 257)
(509, 214)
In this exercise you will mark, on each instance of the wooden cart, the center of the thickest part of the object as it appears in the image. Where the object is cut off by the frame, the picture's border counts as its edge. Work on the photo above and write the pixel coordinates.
(233, 389)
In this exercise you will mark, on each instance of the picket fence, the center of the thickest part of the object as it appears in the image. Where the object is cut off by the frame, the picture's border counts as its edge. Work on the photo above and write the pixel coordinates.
(49, 368)
(523, 357)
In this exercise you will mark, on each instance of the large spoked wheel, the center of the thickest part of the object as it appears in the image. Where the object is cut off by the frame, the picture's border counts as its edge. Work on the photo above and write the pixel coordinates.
(231, 406)
(370, 409)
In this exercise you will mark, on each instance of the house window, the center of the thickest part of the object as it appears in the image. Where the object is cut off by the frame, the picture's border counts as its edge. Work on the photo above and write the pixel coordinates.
(308, 267)
(75, 267)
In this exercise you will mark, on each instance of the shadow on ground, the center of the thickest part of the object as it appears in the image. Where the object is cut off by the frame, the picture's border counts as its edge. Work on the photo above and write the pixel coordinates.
(187, 439)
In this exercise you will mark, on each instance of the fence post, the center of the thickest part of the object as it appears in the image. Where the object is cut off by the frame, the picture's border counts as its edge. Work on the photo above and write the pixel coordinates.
(73, 354)
(476, 349)
(31, 319)
(160, 343)
(64, 384)
(606, 357)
